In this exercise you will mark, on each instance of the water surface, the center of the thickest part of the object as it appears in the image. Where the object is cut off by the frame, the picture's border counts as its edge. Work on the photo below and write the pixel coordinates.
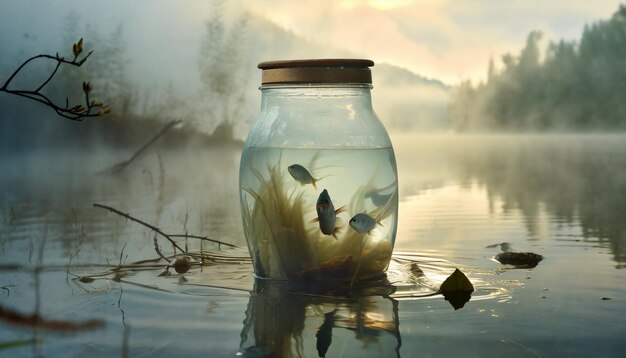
(563, 197)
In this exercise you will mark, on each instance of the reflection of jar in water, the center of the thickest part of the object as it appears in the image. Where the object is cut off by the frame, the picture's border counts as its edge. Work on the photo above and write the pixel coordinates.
(318, 178)
(281, 323)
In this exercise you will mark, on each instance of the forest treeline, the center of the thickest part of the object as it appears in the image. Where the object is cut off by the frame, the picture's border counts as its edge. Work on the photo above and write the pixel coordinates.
(573, 86)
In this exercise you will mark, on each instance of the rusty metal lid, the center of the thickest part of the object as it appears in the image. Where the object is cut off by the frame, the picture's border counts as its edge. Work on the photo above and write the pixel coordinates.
(326, 71)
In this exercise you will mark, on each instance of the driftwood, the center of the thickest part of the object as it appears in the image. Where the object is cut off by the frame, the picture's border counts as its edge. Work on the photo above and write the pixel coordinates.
(119, 167)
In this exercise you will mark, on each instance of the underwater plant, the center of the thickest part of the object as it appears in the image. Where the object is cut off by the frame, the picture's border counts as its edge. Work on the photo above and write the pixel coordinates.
(291, 246)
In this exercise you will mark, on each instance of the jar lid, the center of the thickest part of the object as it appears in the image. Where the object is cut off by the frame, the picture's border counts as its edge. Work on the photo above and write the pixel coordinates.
(332, 70)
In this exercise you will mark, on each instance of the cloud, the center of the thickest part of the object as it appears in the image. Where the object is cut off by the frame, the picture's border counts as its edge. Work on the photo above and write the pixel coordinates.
(450, 40)
(445, 39)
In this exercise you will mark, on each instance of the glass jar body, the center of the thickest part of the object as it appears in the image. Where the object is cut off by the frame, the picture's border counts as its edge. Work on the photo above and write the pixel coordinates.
(318, 185)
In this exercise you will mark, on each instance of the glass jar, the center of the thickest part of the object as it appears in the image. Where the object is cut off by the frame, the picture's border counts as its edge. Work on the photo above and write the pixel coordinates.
(318, 178)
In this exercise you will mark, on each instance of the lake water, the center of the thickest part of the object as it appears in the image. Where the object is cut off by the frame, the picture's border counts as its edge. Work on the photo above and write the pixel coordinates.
(80, 280)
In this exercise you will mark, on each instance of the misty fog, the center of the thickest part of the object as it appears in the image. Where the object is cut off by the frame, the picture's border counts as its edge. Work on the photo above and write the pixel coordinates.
(201, 70)
(94, 214)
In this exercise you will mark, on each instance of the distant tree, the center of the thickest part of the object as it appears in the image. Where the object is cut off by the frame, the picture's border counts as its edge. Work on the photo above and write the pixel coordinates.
(491, 70)
(574, 87)
(221, 57)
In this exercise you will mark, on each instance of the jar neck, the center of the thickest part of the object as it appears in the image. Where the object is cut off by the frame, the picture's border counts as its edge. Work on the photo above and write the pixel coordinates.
(275, 95)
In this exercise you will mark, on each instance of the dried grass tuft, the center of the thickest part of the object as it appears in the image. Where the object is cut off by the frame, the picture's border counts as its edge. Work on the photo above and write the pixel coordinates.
(285, 244)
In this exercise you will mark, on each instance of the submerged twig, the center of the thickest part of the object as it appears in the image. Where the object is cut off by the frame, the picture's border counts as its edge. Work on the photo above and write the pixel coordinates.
(119, 167)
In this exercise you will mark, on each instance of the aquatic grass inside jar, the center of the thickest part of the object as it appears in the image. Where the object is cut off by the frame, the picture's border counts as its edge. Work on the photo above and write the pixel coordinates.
(318, 178)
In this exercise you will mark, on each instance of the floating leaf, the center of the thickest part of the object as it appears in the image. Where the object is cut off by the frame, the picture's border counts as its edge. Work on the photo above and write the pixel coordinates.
(457, 289)
(416, 270)
(519, 259)
(86, 279)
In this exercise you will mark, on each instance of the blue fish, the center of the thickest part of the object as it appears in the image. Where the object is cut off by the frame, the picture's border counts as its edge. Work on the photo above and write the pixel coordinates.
(299, 173)
(363, 223)
(327, 215)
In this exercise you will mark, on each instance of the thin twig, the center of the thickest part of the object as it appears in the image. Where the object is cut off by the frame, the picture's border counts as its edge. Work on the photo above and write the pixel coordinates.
(158, 250)
(152, 227)
(204, 238)
(56, 58)
(76, 113)
(122, 254)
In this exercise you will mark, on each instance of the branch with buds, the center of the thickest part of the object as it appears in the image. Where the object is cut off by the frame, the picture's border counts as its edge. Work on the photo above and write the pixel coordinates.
(78, 112)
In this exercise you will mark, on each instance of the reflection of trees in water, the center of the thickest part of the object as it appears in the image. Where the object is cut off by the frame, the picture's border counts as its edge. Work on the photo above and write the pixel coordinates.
(576, 180)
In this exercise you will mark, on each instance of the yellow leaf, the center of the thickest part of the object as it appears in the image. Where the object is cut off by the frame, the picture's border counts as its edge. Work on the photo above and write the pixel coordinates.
(77, 48)
(104, 111)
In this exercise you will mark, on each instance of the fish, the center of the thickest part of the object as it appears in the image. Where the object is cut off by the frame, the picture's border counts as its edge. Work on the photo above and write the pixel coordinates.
(324, 334)
(363, 223)
(377, 198)
(327, 215)
(300, 174)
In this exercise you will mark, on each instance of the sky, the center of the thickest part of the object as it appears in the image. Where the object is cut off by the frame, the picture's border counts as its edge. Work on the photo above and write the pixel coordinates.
(441, 39)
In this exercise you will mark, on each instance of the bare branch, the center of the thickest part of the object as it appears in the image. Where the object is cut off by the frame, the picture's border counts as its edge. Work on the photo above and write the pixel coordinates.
(204, 238)
(163, 234)
(152, 227)
(158, 250)
(77, 113)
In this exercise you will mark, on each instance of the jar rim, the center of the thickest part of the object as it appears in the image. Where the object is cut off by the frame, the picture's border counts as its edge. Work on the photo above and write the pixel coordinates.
(269, 86)
(317, 71)
(319, 62)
